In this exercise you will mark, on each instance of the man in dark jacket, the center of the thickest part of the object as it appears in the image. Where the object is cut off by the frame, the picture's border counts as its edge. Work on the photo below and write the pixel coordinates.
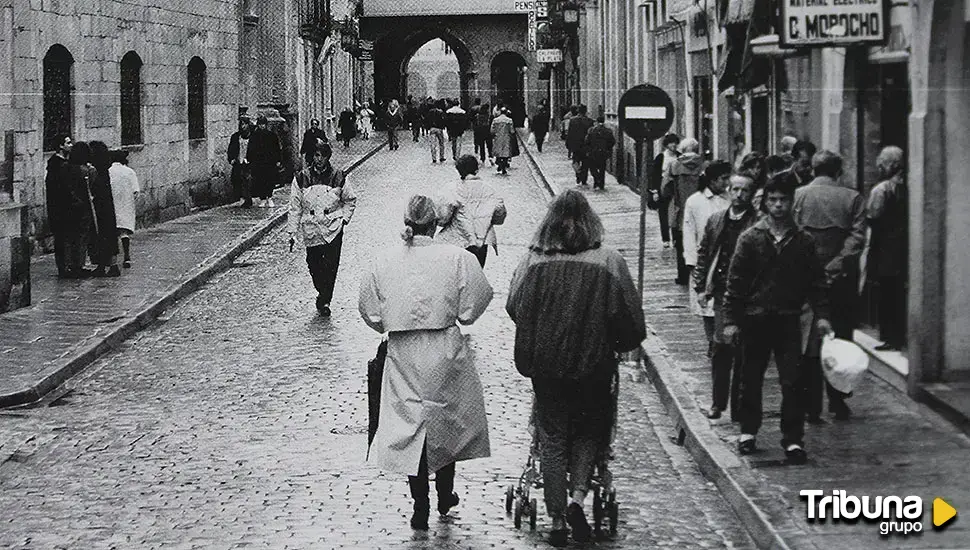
(310, 138)
(599, 147)
(264, 157)
(55, 184)
(456, 120)
(710, 282)
(436, 131)
(579, 126)
(775, 270)
(540, 124)
(237, 153)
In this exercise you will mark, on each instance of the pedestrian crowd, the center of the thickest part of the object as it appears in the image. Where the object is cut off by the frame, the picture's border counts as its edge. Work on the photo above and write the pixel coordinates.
(774, 253)
(91, 206)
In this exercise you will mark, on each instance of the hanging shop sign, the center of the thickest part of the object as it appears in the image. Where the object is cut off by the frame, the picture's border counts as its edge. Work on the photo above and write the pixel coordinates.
(533, 31)
(542, 9)
(818, 23)
(524, 6)
(549, 56)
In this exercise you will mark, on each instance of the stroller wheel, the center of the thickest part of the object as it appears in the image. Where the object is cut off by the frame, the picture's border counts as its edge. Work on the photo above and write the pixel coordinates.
(532, 514)
(509, 497)
(518, 514)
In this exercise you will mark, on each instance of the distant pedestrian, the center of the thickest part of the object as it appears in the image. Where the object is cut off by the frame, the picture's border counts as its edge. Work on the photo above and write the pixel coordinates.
(660, 172)
(436, 131)
(803, 152)
(786, 145)
(469, 211)
(394, 119)
(540, 124)
(413, 114)
(482, 129)
(78, 209)
(682, 182)
(348, 126)
(104, 244)
(888, 261)
(569, 113)
(579, 126)
(237, 155)
(456, 121)
(575, 308)
(321, 204)
(774, 271)
(365, 120)
(124, 191)
(432, 411)
(720, 237)
(599, 148)
(58, 200)
(502, 135)
(310, 138)
(264, 158)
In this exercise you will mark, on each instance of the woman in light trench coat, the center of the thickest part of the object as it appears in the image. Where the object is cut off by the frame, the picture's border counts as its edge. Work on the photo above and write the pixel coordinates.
(432, 407)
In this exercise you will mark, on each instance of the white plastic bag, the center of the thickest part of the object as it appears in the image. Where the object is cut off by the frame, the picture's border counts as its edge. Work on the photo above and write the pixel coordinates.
(843, 362)
(532, 140)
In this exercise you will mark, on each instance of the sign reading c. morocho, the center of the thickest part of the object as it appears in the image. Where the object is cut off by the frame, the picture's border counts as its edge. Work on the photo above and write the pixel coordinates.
(808, 23)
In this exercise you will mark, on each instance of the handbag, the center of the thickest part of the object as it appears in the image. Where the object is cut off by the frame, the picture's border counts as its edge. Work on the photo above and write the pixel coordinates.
(375, 373)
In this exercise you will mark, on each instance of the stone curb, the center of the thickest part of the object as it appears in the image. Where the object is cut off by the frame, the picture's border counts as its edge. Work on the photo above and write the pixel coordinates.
(131, 324)
(693, 430)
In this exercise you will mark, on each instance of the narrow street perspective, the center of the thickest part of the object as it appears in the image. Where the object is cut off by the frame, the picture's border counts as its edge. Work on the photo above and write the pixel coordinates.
(240, 417)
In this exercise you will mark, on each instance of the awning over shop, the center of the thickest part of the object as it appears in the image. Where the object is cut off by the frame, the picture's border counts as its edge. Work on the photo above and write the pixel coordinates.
(744, 22)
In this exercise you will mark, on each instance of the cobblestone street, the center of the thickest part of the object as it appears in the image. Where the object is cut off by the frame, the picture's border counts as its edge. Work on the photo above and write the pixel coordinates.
(239, 418)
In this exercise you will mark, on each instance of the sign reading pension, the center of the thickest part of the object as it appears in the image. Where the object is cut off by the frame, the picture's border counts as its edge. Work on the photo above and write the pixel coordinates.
(833, 22)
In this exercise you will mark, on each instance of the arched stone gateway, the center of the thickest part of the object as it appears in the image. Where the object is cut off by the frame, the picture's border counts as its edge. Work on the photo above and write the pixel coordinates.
(474, 39)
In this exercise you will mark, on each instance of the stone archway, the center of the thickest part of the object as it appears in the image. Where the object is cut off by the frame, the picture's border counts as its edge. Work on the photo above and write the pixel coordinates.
(393, 53)
(508, 71)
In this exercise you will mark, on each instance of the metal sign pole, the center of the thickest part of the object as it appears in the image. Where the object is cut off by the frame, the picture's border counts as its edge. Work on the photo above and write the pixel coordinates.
(642, 186)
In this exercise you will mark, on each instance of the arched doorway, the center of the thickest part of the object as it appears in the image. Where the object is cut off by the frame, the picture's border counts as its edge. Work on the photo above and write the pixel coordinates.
(394, 51)
(508, 83)
(433, 71)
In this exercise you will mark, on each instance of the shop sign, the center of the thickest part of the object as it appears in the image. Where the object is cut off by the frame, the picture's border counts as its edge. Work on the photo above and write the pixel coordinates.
(524, 6)
(549, 56)
(533, 32)
(817, 23)
(542, 9)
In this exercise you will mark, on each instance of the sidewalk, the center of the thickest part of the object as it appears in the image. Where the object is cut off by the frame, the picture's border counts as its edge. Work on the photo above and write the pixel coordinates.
(73, 322)
(891, 446)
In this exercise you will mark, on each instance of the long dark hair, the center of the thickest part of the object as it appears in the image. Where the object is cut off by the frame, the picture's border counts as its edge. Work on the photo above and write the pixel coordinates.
(570, 226)
(80, 153)
(711, 172)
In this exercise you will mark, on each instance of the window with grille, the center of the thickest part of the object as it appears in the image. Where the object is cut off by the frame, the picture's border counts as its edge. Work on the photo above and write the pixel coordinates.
(57, 95)
(131, 99)
(196, 99)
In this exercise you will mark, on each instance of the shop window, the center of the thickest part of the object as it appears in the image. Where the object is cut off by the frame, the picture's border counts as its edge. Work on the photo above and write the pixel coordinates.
(760, 121)
(57, 94)
(131, 99)
(196, 99)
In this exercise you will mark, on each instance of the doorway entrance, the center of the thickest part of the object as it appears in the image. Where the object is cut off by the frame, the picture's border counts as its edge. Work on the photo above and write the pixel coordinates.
(509, 83)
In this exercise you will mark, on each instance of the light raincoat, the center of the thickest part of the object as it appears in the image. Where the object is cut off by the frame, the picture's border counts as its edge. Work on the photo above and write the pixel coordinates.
(431, 393)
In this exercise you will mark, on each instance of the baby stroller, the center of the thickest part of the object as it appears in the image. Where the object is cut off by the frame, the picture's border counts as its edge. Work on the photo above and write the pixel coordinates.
(520, 503)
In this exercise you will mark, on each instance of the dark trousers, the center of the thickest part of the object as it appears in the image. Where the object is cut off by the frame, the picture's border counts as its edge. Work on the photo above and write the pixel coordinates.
(444, 483)
(480, 252)
(682, 272)
(581, 167)
(76, 247)
(761, 336)
(574, 420)
(323, 261)
(455, 146)
(540, 139)
(597, 169)
(392, 139)
(663, 212)
(242, 182)
(415, 131)
(60, 253)
(264, 179)
(844, 297)
(892, 310)
(483, 145)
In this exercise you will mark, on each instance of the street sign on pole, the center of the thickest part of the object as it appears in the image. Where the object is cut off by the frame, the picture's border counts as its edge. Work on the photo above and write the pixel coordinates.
(646, 113)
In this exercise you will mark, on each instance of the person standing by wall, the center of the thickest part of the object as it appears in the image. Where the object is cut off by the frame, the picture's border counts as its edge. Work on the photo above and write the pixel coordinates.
(237, 154)
(124, 190)
(721, 233)
(264, 156)
(888, 260)
(599, 148)
(579, 126)
(365, 120)
(58, 197)
(835, 217)
(79, 210)
(575, 308)
(540, 124)
(348, 126)
(104, 246)
(681, 183)
(321, 204)
(432, 411)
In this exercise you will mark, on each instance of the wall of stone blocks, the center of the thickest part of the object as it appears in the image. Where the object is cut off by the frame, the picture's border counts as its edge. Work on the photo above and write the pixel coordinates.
(177, 175)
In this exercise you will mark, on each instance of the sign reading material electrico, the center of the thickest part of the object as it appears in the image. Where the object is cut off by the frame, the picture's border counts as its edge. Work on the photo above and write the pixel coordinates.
(833, 22)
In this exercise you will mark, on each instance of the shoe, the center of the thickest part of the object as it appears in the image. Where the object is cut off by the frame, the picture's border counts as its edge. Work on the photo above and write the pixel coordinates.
(419, 520)
(747, 446)
(576, 519)
(99, 272)
(127, 264)
(714, 413)
(666, 244)
(680, 281)
(843, 412)
(887, 347)
(816, 420)
(247, 204)
(559, 538)
(433, 161)
(795, 454)
(270, 204)
(446, 504)
(114, 271)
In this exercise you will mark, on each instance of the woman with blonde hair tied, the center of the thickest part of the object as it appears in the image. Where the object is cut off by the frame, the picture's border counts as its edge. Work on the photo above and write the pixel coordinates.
(432, 411)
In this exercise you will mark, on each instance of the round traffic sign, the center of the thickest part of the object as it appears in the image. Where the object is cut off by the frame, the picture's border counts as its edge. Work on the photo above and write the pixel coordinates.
(646, 112)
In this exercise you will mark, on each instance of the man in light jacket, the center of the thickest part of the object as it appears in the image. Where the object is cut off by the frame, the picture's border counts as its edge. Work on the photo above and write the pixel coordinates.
(321, 204)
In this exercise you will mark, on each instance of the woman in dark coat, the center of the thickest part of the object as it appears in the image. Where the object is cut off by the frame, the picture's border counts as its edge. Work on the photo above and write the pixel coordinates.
(348, 126)
(104, 244)
(78, 211)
